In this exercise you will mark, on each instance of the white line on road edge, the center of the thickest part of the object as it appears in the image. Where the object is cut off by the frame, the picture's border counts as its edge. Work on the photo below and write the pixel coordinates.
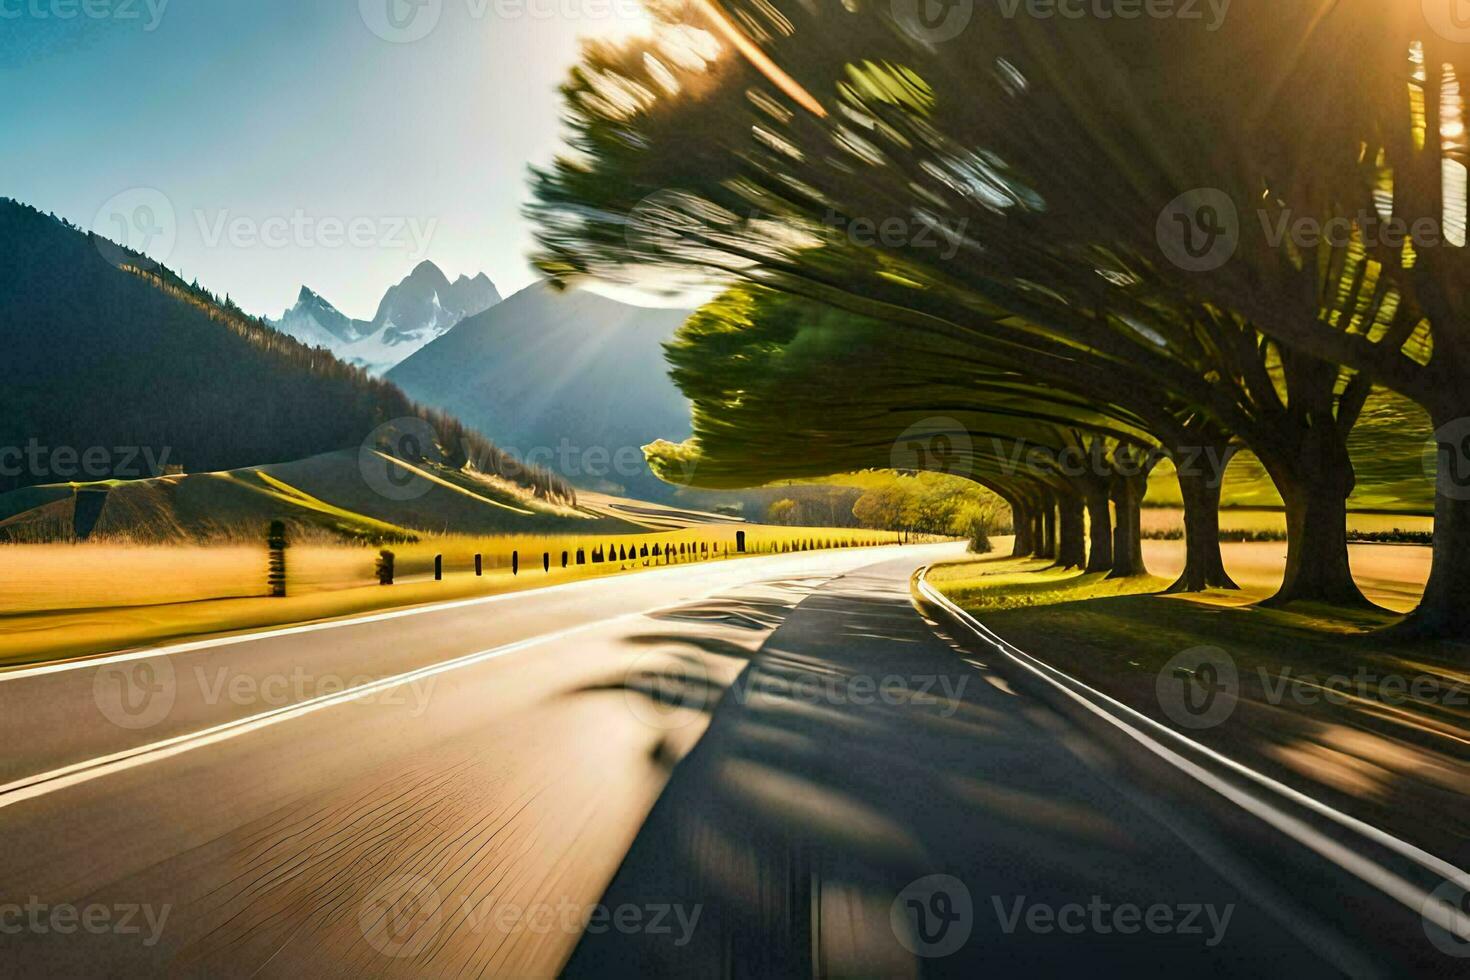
(1386, 881)
(41, 784)
(219, 641)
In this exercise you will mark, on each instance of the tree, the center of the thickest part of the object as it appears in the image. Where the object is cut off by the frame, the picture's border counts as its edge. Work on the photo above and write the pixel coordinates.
(782, 511)
(1019, 152)
(754, 363)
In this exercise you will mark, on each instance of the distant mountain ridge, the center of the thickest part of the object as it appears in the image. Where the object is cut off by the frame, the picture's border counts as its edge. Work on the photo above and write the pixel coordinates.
(122, 361)
(572, 381)
(421, 308)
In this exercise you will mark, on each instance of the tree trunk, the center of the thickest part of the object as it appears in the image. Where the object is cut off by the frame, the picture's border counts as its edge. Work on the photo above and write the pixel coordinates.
(1314, 483)
(1071, 531)
(1099, 530)
(1127, 494)
(1444, 612)
(1048, 528)
(1023, 523)
(1204, 568)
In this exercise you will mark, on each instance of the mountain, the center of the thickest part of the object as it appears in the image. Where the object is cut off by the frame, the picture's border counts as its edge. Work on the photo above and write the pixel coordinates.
(125, 370)
(317, 323)
(421, 308)
(572, 381)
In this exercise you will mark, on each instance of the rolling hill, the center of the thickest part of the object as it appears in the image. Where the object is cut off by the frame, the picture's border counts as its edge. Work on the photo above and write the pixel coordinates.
(323, 496)
(572, 381)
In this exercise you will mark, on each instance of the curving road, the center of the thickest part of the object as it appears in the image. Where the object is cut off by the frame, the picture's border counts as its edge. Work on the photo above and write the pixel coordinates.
(766, 767)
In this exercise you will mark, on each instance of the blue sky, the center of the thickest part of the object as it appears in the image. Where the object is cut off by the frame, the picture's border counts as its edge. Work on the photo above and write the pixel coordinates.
(291, 142)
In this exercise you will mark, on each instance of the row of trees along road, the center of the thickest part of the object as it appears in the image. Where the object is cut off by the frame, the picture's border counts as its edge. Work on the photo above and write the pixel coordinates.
(1055, 233)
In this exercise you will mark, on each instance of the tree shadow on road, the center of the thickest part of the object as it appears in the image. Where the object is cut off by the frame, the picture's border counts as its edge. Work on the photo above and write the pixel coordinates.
(860, 753)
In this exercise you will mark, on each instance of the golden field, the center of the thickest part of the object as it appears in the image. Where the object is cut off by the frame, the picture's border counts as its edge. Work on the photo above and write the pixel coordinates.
(68, 600)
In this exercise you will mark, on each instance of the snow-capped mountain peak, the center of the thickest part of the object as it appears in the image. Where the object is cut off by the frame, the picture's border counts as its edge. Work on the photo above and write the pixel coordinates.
(419, 309)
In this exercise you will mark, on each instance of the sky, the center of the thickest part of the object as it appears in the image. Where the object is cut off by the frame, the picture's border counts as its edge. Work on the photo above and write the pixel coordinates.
(262, 145)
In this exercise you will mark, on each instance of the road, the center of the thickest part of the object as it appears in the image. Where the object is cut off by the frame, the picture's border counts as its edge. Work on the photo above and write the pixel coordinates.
(764, 767)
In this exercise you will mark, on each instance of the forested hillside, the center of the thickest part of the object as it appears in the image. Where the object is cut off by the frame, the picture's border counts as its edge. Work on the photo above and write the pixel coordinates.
(119, 358)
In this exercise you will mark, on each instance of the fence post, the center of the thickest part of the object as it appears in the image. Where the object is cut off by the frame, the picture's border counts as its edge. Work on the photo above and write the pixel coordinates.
(479, 565)
(740, 542)
(385, 567)
(438, 568)
(515, 563)
(546, 562)
(276, 563)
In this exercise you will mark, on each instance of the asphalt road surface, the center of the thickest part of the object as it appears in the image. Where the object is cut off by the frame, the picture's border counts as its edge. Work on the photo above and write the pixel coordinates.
(764, 767)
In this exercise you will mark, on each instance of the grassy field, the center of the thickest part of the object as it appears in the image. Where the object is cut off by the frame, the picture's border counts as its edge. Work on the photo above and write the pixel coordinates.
(325, 496)
(1156, 519)
(77, 599)
(1381, 728)
(1392, 458)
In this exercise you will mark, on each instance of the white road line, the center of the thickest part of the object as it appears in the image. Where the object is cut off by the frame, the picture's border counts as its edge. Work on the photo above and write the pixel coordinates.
(1391, 884)
(169, 650)
(40, 784)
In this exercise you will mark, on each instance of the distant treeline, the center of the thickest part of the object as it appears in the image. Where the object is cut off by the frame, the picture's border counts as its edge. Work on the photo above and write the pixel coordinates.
(110, 353)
